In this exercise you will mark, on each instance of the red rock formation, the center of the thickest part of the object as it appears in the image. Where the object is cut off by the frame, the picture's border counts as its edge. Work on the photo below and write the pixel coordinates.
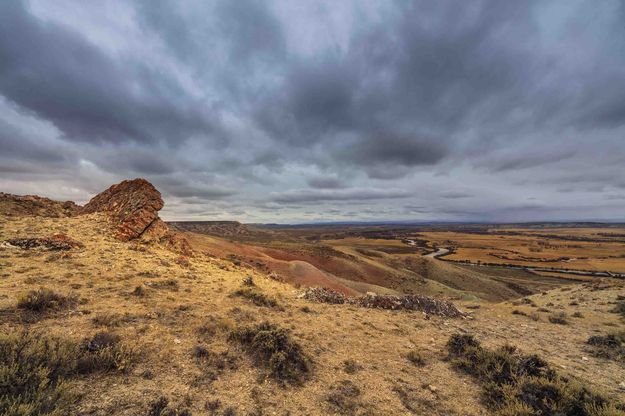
(35, 206)
(133, 205)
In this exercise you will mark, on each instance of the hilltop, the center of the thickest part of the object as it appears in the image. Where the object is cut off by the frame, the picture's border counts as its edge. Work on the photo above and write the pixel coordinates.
(143, 326)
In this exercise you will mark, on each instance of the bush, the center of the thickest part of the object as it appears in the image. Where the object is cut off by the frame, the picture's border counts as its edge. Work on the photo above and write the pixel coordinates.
(273, 347)
(43, 299)
(112, 319)
(416, 358)
(610, 346)
(523, 385)
(105, 352)
(258, 298)
(34, 367)
(619, 308)
(161, 407)
(344, 398)
(351, 366)
(558, 318)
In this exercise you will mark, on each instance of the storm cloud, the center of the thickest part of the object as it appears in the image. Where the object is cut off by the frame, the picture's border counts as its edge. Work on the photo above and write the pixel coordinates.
(282, 112)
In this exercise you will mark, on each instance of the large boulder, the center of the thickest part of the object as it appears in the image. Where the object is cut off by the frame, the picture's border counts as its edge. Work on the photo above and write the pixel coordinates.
(132, 204)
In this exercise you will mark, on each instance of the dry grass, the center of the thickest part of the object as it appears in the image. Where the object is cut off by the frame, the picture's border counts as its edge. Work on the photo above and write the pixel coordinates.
(257, 297)
(44, 299)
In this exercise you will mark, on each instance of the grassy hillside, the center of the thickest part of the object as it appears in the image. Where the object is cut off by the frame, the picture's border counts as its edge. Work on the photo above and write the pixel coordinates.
(139, 330)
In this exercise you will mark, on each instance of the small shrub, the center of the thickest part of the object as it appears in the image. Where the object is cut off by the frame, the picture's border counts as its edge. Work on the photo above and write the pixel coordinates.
(34, 368)
(248, 281)
(343, 398)
(43, 299)
(610, 346)
(108, 319)
(200, 351)
(619, 308)
(139, 291)
(214, 324)
(558, 318)
(213, 363)
(212, 406)
(351, 366)
(515, 384)
(518, 312)
(416, 358)
(161, 407)
(273, 347)
(535, 316)
(168, 284)
(105, 352)
(577, 315)
(258, 298)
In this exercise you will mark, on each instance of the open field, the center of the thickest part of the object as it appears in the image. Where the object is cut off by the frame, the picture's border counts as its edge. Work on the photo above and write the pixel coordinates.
(596, 249)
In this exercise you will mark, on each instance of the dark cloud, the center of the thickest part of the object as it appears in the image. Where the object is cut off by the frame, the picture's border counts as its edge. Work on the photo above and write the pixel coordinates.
(394, 151)
(202, 192)
(325, 182)
(89, 95)
(456, 195)
(351, 194)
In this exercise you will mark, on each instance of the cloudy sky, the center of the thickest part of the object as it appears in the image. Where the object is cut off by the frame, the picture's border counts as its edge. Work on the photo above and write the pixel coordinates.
(296, 111)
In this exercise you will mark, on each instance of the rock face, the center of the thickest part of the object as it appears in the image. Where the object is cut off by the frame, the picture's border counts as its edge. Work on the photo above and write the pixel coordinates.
(35, 206)
(133, 205)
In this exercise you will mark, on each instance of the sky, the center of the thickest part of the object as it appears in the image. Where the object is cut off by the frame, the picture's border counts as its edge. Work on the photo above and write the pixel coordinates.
(300, 111)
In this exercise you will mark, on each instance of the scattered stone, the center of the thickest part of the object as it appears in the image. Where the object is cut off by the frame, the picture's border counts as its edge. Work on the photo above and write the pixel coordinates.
(55, 242)
(406, 302)
(323, 295)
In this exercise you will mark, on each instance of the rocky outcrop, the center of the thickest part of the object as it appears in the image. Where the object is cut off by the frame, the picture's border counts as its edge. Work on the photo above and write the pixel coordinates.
(133, 205)
(35, 206)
